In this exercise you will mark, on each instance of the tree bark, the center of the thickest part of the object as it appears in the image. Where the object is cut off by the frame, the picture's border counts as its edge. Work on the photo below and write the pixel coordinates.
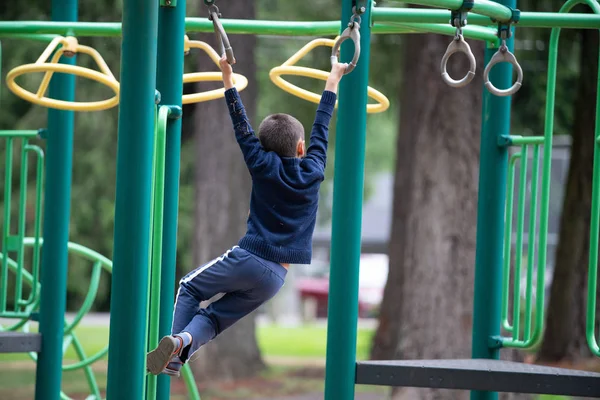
(564, 336)
(223, 191)
(427, 306)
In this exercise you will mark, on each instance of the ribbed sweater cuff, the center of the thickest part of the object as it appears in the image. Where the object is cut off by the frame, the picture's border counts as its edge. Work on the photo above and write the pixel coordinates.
(231, 95)
(328, 98)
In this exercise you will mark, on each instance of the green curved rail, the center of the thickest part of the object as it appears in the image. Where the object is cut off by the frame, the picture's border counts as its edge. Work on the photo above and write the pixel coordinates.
(100, 263)
(532, 331)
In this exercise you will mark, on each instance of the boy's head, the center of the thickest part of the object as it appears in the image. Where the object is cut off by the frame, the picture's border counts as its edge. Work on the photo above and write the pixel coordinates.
(282, 134)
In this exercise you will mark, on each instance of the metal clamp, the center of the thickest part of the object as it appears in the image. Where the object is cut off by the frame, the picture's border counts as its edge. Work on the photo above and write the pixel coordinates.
(351, 32)
(222, 39)
(458, 45)
(503, 55)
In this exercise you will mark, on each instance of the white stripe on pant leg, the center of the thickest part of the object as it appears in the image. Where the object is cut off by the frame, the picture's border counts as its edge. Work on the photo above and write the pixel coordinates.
(185, 280)
(175, 307)
(210, 264)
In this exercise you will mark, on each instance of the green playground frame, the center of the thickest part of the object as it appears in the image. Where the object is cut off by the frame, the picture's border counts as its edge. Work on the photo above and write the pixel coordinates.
(146, 210)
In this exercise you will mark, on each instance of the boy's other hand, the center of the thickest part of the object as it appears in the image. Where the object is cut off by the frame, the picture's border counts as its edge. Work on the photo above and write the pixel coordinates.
(227, 73)
(337, 72)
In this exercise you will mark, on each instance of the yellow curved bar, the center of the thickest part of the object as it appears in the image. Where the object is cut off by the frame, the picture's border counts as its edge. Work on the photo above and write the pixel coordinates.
(288, 68)
(69, 47)
(240, 81)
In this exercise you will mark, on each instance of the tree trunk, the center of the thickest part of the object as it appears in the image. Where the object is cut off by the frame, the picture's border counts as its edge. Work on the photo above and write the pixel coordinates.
(564, 336)
(223, 191)
(427, 306)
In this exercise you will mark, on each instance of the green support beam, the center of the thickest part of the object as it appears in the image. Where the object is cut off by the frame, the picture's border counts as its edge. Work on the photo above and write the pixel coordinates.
(57, 213)
(382, 16)
(127, 346)
(346, 232)
(493, 168)
(169, 82)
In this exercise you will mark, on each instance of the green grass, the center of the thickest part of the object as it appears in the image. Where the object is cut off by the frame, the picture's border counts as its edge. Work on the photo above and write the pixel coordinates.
(305, 341)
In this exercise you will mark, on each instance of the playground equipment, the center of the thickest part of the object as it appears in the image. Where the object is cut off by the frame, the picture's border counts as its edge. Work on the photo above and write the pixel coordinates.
(147, 195)
(69, 48)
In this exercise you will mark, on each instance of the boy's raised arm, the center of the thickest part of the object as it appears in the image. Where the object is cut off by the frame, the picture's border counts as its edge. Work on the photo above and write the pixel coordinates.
(317, 149)
(244, 134)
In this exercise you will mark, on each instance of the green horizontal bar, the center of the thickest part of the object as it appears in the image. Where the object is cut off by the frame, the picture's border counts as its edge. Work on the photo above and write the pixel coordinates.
(483, 7)
(528, 19)
(258, 27)
(517, 140)
(469, 32)
(40, 30)
(38, 37)
(10, 28)
(19, 133)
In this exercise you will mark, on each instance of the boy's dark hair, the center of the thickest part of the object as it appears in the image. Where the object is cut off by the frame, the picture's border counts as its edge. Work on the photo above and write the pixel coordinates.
(280, 133)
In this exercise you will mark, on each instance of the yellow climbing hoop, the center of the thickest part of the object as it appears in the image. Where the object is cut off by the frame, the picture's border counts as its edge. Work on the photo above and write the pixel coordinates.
(240, 81)
(69, 47)
(288, 68)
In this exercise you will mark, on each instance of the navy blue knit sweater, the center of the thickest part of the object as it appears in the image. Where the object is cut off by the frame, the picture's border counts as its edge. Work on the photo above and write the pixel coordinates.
(285, 190)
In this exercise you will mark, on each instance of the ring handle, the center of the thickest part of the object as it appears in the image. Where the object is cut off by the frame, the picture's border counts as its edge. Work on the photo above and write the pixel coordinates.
(222, 39)
(503, 55)
(351, 32)
(458, 45)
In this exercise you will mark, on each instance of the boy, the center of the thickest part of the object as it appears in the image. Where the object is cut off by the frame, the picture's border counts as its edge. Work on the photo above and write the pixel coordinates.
(283, 207)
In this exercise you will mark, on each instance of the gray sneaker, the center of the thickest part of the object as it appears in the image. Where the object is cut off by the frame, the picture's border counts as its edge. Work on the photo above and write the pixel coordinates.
(158, 359)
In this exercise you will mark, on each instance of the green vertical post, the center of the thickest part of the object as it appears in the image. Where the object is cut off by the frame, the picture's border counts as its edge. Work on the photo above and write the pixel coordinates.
(347, 215)
(169, 82)
(490, 215)
(127, 346)
(57, 210)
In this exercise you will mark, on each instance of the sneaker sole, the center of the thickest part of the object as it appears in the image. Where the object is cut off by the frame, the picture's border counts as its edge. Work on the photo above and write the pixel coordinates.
(159, 358)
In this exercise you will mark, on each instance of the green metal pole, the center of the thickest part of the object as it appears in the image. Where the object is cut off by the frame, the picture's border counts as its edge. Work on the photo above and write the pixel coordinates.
(39, 30)
(57, 209)
(490, 215)
(169, 82)
(127, 346)
(346, 219)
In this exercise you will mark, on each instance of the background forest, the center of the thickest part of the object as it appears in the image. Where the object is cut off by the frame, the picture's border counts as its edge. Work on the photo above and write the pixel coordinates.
(427, 121)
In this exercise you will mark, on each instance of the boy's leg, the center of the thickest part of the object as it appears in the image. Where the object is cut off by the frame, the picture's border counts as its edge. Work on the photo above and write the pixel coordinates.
(220, 315)
(199, 285)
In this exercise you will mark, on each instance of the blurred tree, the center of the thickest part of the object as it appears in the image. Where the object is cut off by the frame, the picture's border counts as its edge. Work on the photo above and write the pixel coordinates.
(564, 337)
(223, 186)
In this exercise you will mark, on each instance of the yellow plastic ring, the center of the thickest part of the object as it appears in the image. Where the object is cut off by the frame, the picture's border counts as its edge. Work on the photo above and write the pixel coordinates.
(66, 69)
(382, 102)
(240, 82)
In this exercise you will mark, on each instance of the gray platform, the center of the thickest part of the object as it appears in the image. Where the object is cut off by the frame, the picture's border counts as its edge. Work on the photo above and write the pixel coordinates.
(484, 375)
(19, 342)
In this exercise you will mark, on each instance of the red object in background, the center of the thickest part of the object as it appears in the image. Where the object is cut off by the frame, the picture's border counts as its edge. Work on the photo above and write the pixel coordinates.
(317, 290)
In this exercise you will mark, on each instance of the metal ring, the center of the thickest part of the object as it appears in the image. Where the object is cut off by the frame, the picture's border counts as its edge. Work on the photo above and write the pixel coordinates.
(351, 32)
(222, 39)
(458, 45)
(503, 55)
